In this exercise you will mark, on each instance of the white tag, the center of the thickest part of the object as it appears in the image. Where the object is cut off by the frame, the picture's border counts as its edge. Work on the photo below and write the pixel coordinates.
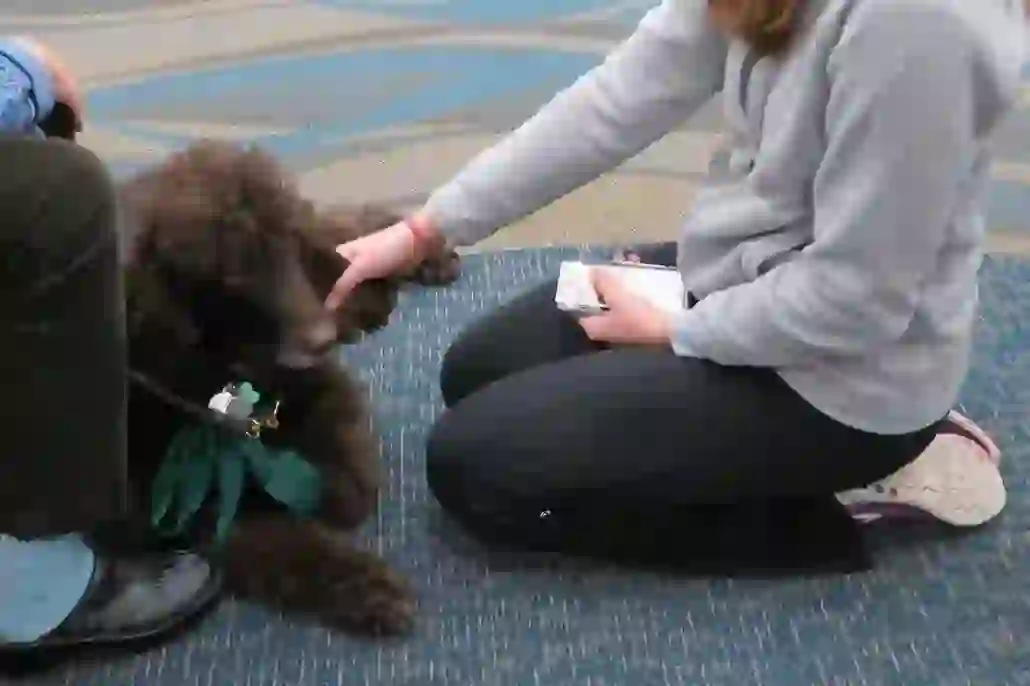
(239, 408)
(220, 402)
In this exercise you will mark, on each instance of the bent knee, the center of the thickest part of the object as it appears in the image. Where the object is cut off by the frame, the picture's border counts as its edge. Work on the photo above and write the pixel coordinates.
(460, 473)
(83, 178)
(455, 374)
(447, 465)
(56, 192)
(54, 162)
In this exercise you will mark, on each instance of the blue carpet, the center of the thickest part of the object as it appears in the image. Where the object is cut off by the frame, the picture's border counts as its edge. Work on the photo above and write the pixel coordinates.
(940, 610)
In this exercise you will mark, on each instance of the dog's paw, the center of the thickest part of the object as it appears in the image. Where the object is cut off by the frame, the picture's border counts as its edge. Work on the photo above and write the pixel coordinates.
(303, 568)
(368, 597)
(437, 270)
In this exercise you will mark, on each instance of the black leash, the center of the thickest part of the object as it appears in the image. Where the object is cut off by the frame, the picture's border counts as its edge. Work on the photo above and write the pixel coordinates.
(202, 413)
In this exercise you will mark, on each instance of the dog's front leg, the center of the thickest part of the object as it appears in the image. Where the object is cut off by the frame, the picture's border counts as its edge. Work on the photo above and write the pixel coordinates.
(325, 418)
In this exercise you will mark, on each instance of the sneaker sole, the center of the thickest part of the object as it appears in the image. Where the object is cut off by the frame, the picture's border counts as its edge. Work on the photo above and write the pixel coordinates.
(954, 484)
(969, 429)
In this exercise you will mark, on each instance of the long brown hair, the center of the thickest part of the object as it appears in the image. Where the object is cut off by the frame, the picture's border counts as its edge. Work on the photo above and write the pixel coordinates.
(766, 25)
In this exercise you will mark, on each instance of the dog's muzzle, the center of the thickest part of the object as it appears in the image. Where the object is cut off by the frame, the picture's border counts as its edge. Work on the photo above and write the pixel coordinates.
(312, 346)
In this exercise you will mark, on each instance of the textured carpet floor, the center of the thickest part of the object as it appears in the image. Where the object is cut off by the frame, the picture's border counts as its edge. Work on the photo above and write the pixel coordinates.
(940, 610)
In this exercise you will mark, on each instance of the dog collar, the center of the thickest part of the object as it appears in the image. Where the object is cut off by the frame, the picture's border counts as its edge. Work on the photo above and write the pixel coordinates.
(204, 465)
(237, 401)
(195, 410)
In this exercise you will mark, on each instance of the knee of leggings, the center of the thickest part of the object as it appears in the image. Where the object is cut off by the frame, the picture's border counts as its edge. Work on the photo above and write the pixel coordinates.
(444, 473)
(75, 178)
(454, 473)
(453, 375)
(86, 174)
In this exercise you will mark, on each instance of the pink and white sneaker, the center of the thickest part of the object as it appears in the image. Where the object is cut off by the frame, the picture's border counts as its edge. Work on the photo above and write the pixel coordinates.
(955, 480)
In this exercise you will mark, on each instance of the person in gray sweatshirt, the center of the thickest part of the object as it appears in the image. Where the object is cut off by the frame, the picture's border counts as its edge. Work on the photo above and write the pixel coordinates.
(831, 269)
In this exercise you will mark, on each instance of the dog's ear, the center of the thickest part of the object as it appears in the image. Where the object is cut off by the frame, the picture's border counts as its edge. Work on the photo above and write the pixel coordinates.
(150, 308)
(331, 227)
(165, 218)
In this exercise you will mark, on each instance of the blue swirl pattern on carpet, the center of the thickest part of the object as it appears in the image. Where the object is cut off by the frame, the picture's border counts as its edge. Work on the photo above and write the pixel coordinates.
(939, 611)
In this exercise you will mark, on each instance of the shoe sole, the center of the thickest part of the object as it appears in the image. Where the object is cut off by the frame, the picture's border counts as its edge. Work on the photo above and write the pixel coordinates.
(968, 428)
(954, 484)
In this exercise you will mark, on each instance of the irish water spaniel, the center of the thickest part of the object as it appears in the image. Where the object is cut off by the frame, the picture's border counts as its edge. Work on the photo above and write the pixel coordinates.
(227, 267)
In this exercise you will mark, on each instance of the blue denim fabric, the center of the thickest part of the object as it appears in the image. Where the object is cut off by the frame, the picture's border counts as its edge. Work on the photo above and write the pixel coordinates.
(26, 90)
(41, 582)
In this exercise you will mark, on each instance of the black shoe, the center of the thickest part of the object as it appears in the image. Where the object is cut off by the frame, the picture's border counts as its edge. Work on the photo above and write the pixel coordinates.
(134, 599)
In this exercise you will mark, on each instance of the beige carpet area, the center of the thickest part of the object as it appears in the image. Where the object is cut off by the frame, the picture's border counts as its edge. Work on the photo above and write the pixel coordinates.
(381, 101)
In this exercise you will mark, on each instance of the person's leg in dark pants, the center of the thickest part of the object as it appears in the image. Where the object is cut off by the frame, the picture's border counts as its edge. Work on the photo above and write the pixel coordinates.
(62, 367)
(637, 454)
(62, 348)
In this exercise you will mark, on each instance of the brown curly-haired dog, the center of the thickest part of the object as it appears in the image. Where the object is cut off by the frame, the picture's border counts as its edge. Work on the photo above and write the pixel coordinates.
(227, 267)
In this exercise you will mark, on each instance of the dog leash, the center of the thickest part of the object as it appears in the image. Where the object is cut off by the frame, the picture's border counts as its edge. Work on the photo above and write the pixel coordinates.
(204, 414)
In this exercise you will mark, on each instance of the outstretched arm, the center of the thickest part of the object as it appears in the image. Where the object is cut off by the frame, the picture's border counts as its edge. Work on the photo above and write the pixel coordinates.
(671, 65)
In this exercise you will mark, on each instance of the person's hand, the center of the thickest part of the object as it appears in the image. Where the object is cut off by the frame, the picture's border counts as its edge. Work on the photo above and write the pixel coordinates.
(66, 86)
(384, 253)
(629, 320)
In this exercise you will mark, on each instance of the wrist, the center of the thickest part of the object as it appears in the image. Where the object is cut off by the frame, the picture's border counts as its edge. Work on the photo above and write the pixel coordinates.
(427, 239)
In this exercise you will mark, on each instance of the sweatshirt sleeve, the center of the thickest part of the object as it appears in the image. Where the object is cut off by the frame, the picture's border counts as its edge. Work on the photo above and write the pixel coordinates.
(671, 65)
(900, 145)
(26, 89)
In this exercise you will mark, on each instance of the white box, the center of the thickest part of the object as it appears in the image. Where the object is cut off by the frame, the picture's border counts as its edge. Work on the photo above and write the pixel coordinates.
(662, 286)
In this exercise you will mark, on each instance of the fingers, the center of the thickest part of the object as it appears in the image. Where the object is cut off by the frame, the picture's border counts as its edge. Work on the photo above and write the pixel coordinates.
(607, 286)
(596, 326)
(353, 274)
(349, 251)
(347, 282)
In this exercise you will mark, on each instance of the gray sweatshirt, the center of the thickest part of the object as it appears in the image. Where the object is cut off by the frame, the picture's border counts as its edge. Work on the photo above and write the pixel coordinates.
(841, 244)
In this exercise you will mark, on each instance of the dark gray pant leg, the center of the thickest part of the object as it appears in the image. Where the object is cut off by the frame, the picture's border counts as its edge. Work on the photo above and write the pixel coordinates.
(62, 341)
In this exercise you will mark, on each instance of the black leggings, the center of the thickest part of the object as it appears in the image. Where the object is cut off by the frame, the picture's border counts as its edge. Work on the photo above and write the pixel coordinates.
(553, 444)
(62, 341)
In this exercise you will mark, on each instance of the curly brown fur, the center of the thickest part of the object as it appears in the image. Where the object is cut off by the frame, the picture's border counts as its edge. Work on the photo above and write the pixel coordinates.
(227, 267)
(307, 553)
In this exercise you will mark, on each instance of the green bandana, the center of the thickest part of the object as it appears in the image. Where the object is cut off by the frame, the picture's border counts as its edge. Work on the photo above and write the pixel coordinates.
(203, 461)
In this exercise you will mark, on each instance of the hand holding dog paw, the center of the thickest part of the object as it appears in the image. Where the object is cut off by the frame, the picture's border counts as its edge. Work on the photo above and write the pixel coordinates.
(378, 255)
